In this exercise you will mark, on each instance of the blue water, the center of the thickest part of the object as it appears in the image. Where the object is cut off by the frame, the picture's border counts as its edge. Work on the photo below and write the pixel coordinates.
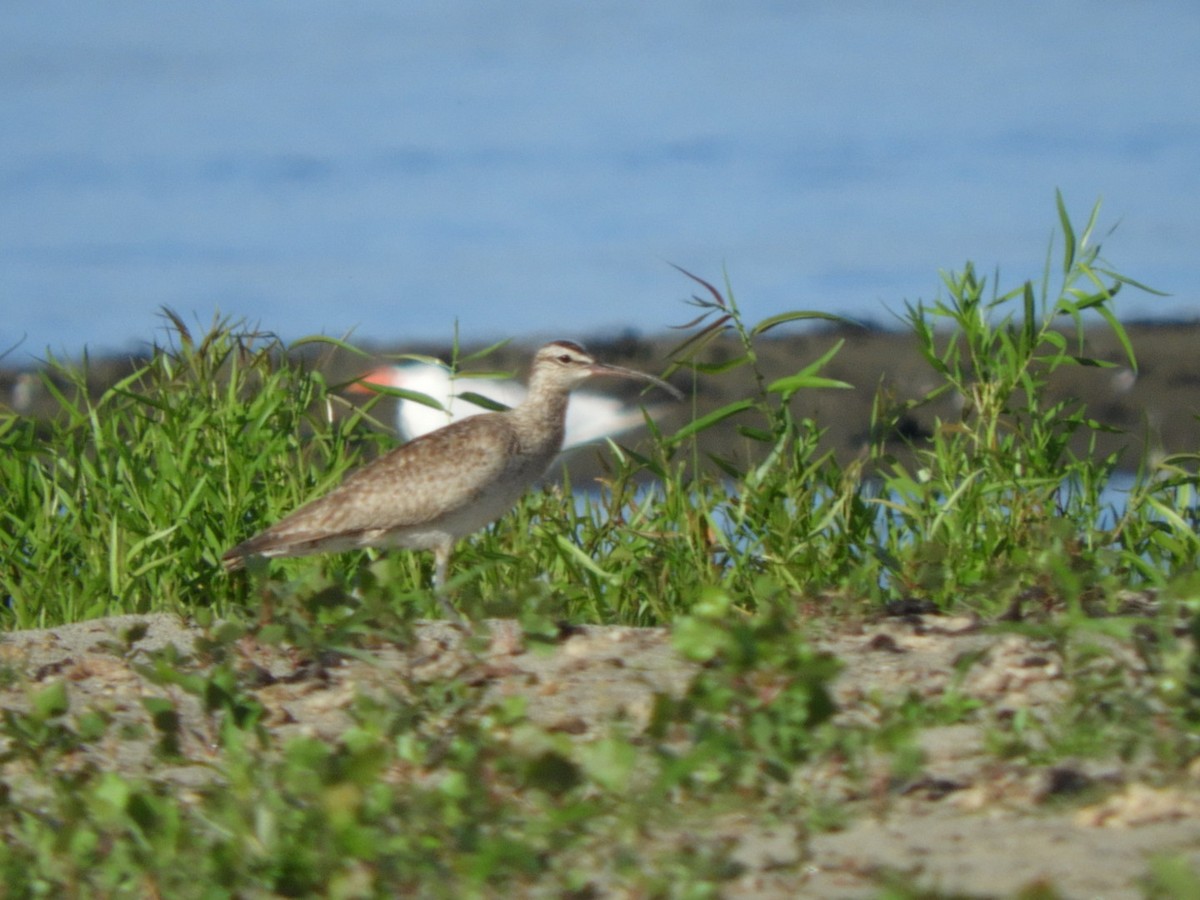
(529, 168)
(1113, 503)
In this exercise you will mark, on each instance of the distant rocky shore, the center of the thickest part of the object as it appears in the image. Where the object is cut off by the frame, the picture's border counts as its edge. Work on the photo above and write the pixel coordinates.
(1155, 409)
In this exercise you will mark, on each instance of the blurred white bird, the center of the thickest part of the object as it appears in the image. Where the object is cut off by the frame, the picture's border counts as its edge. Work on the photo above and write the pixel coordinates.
(22, 392)
(590, 417)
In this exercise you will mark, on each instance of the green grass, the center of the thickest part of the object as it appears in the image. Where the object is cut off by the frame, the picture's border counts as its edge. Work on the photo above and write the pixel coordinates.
(123, 502)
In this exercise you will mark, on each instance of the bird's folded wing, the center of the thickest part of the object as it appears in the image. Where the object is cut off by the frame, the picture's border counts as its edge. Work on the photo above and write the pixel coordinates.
(414, 484)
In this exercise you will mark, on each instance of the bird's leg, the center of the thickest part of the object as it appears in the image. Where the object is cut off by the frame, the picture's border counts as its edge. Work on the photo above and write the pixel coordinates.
(441, 564)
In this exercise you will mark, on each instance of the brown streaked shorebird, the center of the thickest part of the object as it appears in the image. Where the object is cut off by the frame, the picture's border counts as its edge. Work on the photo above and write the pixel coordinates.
(428, 493)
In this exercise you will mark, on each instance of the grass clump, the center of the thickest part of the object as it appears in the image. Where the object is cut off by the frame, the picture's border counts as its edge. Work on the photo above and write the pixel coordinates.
(998, 494)
(123, 502)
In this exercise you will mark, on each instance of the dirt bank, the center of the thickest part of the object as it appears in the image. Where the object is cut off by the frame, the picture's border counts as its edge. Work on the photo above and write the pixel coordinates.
(965, 819)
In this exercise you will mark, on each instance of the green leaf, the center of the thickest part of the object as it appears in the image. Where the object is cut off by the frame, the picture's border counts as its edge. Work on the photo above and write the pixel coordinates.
(585, 561)
(718, 368)
(1133, 283)
(1120, 334)
(1055, 339)
(403, 394)
(1092, 362)
(762, 435)
(51, 701)
(1091, 301)
(480, 354)
(610, 762)
(1030, 324)
(711, 419)
(113, 791)
(331, 341)
(793, 383)
(699, 639)
(1064, 221)
(732, 472)
(807, 377)
(482, 401)
(797, 315)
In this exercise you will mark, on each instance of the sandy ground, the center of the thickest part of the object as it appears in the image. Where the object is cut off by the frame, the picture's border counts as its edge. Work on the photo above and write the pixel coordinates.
(967, 821)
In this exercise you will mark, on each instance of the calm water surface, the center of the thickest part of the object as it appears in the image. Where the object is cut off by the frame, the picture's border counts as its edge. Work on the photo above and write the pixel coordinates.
(531, 167)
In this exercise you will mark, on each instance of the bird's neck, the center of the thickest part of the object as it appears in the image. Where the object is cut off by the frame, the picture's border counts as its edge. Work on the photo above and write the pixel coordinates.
(542, 419)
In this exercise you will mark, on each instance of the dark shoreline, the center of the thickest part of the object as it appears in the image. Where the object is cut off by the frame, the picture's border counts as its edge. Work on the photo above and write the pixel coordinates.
(1156, 409)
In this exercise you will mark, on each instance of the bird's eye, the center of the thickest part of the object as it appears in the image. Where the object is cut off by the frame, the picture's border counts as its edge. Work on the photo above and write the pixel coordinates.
(565, 360)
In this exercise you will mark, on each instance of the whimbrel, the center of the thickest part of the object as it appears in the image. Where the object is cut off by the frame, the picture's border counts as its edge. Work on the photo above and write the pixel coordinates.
(428, 493)
(590, 417)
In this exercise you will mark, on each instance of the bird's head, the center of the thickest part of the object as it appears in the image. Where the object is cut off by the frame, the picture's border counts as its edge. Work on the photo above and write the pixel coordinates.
(564, 365)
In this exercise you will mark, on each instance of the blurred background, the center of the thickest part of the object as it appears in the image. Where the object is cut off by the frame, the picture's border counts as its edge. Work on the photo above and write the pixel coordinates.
(529, 169)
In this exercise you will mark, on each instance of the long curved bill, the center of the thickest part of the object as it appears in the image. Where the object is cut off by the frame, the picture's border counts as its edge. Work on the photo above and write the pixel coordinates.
(606, 370)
